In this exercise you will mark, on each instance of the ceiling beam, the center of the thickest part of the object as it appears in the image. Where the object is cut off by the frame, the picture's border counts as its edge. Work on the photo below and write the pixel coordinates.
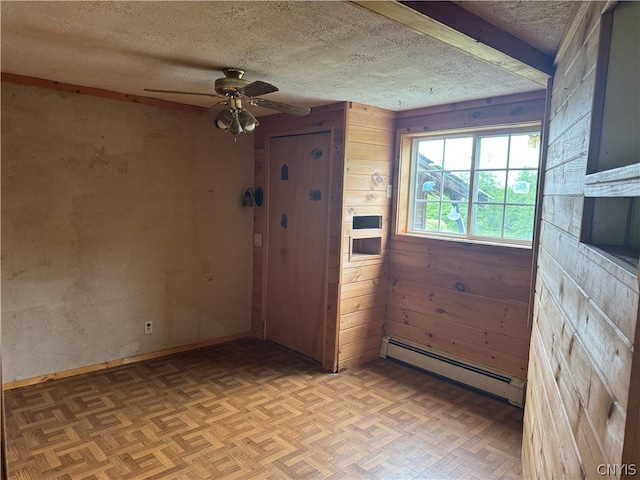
(449, 23)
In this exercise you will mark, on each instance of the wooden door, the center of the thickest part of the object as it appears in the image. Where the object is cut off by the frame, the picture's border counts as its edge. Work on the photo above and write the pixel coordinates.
(297, 245)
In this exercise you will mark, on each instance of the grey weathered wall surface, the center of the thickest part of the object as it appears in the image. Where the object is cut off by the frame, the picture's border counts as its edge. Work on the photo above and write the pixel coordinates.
(115, 213)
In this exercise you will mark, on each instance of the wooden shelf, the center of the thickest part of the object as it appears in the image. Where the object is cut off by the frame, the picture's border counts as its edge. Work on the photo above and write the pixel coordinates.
(625, 257)
(365, 247)
(617, 182)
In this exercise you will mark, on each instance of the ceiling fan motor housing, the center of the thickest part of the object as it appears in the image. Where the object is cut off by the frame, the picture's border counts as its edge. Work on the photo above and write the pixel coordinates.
(232, 83)
(235, 118)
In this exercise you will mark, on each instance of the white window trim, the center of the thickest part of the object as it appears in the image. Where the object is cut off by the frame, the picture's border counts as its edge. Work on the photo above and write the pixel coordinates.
(405, 188)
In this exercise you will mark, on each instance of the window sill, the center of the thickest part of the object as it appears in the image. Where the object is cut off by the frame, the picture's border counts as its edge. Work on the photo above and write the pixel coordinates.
(474, 241)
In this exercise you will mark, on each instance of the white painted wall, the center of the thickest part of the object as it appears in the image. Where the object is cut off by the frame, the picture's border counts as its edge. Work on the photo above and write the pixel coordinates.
(115, 213)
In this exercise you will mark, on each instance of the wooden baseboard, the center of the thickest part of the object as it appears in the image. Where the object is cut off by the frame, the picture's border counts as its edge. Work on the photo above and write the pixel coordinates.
(121, 361)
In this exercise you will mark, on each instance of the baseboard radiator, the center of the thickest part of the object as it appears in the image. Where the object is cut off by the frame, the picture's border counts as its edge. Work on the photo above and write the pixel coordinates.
(477, 376)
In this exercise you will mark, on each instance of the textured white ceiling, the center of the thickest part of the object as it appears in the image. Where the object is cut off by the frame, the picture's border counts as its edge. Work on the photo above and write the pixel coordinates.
(316, 52)
(538, 23)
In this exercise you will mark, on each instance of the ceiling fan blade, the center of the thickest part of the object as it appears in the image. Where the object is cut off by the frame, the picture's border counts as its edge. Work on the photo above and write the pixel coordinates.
(181, 93)
(214, 110)
(258, 88)
(281, 107)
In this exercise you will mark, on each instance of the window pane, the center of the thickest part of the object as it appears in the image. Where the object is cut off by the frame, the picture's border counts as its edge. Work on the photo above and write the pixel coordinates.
(454, 218)
(486, 182)
(521, 186)
(429, 184)
(456, 185)
(524, 151)
(426, 216)
(493, 152)
(419, 213)
(432, 151)
(518, 223)
(490, 186)
(457, 154)
(488, 220)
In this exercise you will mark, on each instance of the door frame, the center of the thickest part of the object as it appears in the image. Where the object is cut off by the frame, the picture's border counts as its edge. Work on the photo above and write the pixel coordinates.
(327, 363)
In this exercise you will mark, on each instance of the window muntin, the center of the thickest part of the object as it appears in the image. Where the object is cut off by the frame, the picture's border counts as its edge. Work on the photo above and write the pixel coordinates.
(475, 186)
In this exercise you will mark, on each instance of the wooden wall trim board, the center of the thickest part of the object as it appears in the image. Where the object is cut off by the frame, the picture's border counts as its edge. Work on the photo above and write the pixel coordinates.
(473, 104)
(122, 361)
(98, 92)
(540, 188)
(512, 113)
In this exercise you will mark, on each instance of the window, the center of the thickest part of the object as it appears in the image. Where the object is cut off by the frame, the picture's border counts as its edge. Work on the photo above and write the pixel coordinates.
(474, 185)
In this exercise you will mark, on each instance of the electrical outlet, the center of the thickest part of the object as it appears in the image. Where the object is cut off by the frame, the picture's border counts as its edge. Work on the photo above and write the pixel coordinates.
(148, 327)
(257, 239)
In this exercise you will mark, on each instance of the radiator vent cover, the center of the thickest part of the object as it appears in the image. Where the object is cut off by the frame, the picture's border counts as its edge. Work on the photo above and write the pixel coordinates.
(491, 381)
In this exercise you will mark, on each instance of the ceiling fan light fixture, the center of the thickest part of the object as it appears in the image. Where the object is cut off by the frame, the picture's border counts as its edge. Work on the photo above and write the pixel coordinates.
(235, 90)
(223, 119)
(235, 127)
(247, 121)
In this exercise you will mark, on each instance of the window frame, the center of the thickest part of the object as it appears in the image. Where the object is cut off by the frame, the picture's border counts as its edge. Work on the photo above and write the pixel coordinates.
(407, 155)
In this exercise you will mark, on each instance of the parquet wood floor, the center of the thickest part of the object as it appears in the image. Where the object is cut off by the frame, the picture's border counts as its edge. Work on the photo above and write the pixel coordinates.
(253, 410)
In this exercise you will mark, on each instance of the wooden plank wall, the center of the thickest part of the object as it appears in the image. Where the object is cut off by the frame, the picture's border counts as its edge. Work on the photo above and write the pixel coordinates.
(631, 451)
(370, 134)
(465, 299)
(329, 117)
(586, 307)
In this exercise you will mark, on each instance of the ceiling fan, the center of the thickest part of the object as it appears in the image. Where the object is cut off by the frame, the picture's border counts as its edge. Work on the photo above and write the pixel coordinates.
(234, 118)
